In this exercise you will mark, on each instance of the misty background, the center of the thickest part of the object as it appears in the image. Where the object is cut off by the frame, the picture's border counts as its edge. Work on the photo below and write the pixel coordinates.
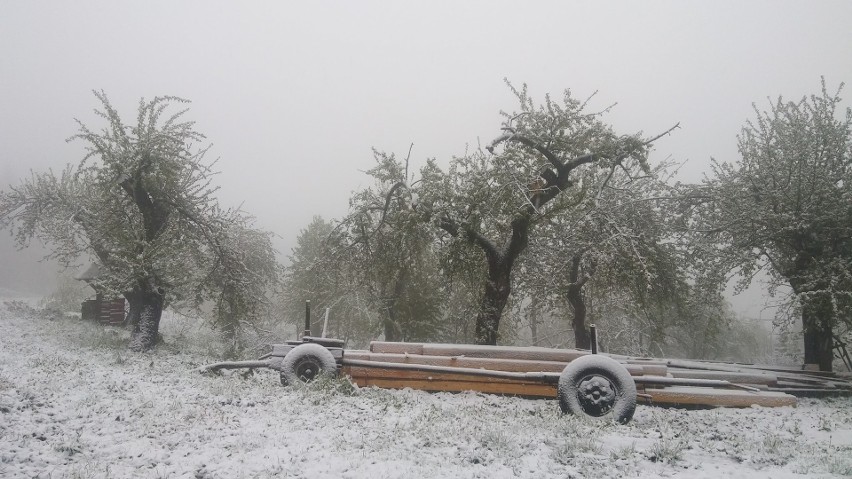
(293, 95)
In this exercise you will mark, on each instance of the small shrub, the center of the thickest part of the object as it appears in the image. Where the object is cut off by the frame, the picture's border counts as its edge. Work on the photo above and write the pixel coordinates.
(825, 424)
(625, 452)
(570, 449)
(667, 450)
(839, 464)
(325, 387)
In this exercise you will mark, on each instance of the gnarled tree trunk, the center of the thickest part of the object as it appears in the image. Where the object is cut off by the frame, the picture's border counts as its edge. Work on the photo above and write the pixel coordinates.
(817, 334)
(574, 294)
(582, 338)
(497, 289)
(146, 309)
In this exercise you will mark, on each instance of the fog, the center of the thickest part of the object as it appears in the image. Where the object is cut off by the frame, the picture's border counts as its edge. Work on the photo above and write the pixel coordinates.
(293, 95)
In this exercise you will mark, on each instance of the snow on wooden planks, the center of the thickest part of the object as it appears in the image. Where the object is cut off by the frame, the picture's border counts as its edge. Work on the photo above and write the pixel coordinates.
(477, 351)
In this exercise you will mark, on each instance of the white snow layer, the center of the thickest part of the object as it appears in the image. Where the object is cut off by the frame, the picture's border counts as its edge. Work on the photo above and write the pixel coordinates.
(75, 404)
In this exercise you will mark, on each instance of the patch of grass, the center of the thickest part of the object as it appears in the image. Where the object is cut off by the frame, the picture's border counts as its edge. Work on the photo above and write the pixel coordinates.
(667, 450)
(119, 359)
(828, 458)
(567, 452)
(89, 471)
(825, 423)
(325, 387)
(839, 464)
(625, 452)
(5, 383)
(772, 443)
(794, 428)
(772, 449)
(71, 445)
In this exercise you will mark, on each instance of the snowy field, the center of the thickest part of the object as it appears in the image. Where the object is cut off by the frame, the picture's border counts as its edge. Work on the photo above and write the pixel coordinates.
(75, 404)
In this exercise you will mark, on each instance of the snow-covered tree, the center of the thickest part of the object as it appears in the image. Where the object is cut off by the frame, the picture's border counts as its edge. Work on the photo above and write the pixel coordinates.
(391, 255)
(491, 200)
(141, 204)
(786, 208)
(615, 234)
(319, 272)
(243, 271)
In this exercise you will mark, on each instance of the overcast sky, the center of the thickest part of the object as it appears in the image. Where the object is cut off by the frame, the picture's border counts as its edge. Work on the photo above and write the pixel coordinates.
(293, 95)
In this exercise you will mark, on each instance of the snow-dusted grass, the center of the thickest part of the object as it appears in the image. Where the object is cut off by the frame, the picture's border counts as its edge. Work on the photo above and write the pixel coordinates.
(75, 404)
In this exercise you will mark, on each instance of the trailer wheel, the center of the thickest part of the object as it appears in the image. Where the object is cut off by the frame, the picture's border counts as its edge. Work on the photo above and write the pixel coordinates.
(598, 387)
(307, 362)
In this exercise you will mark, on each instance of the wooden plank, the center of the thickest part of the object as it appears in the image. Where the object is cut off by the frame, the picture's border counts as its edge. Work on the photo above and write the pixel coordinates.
(513, 389)
(740, 368)
(399, 348)
(551, 378)
(737, 378)
(658, 381)
(515, 365)
(694, 396)
(811, 392)
(379, 373)
(803, 385)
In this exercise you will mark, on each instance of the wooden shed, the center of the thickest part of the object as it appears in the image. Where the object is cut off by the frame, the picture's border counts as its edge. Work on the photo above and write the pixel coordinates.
(105, 311)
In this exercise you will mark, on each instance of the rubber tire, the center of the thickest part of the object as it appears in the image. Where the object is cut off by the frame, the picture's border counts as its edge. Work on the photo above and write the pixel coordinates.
(623, 395)
(310, 355)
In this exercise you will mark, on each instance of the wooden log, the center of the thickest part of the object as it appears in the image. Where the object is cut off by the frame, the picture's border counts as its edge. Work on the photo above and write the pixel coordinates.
(516, 365)
(738, 378)
(736, 368)
(670, 381)
(811, 392)
(694, 396)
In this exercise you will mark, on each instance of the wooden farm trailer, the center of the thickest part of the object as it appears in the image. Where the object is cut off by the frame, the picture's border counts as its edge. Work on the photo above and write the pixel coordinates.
(596, 385)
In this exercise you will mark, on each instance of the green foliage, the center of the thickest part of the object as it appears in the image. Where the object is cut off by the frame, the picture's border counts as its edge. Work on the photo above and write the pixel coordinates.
(319, 272)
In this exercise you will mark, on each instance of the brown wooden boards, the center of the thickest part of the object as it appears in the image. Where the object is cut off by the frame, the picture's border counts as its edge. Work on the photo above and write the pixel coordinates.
(434, 385)
(451, 382)
(665, 381)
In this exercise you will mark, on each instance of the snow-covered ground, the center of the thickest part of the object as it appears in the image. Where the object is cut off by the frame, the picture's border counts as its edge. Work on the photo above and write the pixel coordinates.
(75, 404)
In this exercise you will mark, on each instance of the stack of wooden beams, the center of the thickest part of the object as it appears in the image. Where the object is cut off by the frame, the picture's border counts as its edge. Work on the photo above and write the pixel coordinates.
(534, 371)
